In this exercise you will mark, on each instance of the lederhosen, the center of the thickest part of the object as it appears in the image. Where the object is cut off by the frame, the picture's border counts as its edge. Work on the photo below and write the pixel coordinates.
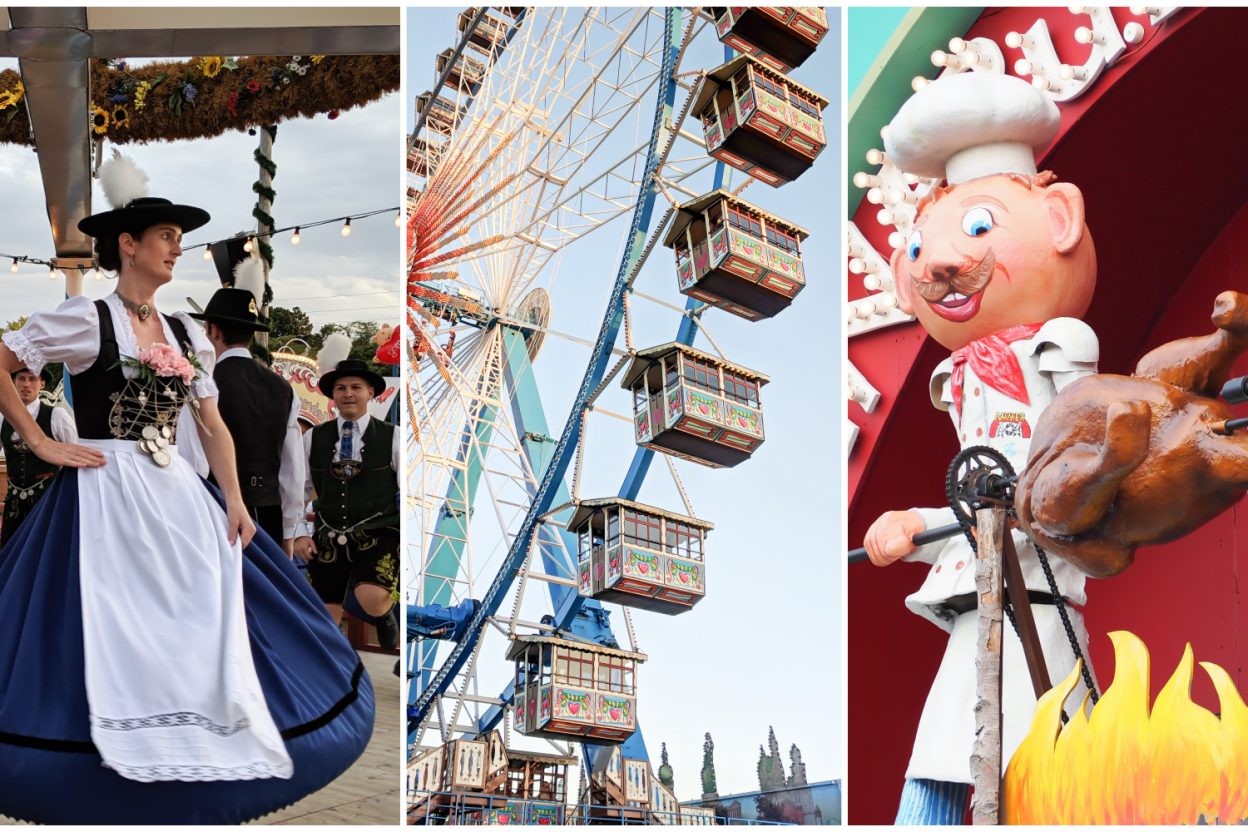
(255, 406)
(28, 474)
(357, 513)
(115, 407)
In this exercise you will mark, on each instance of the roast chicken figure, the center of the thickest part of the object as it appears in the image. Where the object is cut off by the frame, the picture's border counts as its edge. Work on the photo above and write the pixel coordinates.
(1119, 462)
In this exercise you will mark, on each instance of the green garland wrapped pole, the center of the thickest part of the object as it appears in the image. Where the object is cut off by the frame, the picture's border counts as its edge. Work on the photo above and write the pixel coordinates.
(263, 213)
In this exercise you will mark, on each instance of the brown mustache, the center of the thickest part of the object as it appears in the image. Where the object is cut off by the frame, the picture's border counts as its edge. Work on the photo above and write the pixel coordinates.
(967, 282)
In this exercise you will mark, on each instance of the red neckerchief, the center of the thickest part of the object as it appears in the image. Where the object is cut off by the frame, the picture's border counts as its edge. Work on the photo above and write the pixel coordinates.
(995, 363)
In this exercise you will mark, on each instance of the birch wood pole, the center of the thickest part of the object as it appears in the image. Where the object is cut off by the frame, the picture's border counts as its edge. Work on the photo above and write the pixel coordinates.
(986, 753)
(262, 212)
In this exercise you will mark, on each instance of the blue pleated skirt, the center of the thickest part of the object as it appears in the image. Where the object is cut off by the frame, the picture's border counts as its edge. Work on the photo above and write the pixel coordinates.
(314, 685)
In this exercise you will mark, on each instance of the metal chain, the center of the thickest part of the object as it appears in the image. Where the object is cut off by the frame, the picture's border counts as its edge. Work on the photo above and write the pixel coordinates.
(1070, 630)
(580, 457)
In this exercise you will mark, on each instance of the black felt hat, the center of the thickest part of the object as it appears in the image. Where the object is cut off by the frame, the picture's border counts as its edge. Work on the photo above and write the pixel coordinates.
(44, 374)
(233, 306)
(351, 367)
(143, 213)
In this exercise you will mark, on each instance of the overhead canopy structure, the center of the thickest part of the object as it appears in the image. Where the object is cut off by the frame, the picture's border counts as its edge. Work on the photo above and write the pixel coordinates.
(54, 48)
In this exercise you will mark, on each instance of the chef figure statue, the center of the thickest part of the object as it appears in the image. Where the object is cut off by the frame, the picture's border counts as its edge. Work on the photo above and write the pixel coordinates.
(997, 267)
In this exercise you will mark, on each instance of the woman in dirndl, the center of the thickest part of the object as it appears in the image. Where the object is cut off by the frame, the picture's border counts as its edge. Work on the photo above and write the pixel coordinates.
(160, 660)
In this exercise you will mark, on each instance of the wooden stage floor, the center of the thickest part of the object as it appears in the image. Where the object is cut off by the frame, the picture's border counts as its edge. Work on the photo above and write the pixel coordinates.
(368, 793)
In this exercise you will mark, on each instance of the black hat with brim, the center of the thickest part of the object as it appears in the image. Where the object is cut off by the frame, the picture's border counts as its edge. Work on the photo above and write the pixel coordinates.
(143, 213)
(351, 367)
(44, 374)
(233, 306)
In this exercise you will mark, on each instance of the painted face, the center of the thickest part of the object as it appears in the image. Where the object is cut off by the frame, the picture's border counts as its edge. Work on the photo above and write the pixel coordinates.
(351, 396)
(158, 250)
(993, 253)
(28, 385)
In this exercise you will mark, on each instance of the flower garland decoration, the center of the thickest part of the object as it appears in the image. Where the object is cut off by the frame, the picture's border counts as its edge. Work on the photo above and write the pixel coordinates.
(207, 96)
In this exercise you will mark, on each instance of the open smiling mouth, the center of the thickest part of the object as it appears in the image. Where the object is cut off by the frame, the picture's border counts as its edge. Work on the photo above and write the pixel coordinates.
(956, 306)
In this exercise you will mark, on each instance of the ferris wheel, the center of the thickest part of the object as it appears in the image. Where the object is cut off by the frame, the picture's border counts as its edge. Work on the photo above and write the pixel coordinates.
(549, 130)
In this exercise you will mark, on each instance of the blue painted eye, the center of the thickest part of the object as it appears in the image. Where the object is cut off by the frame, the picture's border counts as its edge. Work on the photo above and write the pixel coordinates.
(914, 246)
(977, 222)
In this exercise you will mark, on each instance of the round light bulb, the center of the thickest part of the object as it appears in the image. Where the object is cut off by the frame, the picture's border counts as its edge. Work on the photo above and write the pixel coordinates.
(939, 58)
(1014, 40)
(1133, 33)
(99, 275)
(294, 238)
(862, 179)
(247, 246)
(1022, 67)
(957, 46)
(346, 228)
(918, 82)
(896, 239)
(857, 266)
(13, 266)
(51, 273)
(875, 157)
(888, 300)
(970, 59)
(1083, 34)
(871, 282)
(398, 220)
(884, 217)
(875, 196)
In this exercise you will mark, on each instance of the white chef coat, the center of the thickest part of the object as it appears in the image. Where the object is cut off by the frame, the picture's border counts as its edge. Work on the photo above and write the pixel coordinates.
(1062, 351)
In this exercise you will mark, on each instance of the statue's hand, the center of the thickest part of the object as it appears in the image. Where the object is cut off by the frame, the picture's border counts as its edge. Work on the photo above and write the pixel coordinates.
(891, 536)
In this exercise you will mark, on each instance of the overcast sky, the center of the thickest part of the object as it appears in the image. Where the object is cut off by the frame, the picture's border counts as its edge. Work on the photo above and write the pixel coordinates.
(326, 169)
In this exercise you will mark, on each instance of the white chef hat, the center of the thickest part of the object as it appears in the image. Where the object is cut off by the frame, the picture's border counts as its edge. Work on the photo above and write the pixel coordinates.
(971, 124)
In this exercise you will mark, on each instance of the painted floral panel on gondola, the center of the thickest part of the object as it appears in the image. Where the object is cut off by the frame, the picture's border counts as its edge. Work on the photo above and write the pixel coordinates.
(642, 423)
(544, 716)
(703, 407)
(745, 420)
(505, 815)
(639, 563)
(684, 574)
(751, 248)
(613, 567)
(719, 245)
(713, 135)
(773, 114)
(543, 814)
(785, 263)
(615, 710)
(701, 260)
(745, 106)
(807, 124)
(573, 704)
(674, 407)
(685, 274)
(584, 579)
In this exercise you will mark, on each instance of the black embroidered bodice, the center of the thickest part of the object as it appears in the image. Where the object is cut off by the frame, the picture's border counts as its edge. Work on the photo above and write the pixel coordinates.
(108, 405)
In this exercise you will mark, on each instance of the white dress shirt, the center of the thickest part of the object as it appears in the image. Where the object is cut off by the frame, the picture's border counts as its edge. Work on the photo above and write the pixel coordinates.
(63, 427)
(357, 453)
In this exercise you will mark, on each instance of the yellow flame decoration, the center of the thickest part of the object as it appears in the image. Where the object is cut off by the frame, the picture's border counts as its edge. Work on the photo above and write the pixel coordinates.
(1121, 764)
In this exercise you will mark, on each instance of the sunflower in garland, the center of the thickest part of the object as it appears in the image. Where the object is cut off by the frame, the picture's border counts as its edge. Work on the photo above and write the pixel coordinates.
(120, 118)
(211, 66)
(99, 120)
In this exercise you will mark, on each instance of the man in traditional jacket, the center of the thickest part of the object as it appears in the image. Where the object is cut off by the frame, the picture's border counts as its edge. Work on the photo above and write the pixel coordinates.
(259, 408)
(353, 465)
(997, 267)
(29, 475)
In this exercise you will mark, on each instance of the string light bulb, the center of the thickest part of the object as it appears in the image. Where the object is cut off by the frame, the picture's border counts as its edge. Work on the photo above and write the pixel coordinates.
(295, 238)
(398, 220)
(346, 228)
(247, 246)
(99, 275)
(13, 266)
(51, 272)
(207, 253)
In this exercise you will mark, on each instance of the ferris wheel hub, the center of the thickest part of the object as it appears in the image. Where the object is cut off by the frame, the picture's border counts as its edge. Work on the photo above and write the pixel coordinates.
(535, 311)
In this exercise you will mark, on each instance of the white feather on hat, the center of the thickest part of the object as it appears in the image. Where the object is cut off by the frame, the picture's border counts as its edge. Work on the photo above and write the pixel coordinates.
(122, 180)
(336, 348)
(249, 275)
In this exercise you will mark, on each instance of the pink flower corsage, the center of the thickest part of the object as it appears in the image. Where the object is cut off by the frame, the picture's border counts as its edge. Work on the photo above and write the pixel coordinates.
(166, 362)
